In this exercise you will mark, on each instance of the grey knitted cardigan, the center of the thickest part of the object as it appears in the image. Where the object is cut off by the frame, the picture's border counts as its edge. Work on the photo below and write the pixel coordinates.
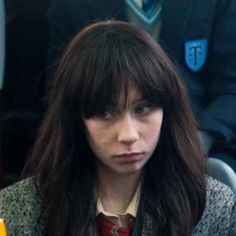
(21, 208)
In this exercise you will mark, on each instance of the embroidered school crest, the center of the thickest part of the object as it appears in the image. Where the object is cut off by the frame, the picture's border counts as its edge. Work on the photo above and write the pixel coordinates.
(195, 54)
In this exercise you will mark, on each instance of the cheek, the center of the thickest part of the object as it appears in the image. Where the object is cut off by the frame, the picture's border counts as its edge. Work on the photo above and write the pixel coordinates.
(97, 135)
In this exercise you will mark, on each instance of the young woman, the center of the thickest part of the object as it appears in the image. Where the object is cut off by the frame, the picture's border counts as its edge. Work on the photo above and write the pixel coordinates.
(118, 151)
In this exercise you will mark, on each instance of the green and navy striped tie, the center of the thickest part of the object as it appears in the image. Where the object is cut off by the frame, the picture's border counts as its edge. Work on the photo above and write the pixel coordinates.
(148, 4)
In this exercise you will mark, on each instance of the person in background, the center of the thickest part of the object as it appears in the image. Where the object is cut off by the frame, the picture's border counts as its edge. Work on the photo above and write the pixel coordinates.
(199, 35)
(118, 152)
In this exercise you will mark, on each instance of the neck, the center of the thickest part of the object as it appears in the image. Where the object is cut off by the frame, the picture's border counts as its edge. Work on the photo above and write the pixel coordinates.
(116, 191)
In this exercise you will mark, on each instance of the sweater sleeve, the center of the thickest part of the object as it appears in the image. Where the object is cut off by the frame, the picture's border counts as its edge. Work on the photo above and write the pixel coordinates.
(20, 209)
(219, 215)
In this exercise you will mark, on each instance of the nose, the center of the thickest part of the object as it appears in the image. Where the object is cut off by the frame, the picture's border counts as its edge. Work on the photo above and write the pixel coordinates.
(128, 130)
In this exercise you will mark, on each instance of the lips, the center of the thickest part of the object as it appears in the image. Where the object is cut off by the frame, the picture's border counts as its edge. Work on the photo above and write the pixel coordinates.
(128, 157)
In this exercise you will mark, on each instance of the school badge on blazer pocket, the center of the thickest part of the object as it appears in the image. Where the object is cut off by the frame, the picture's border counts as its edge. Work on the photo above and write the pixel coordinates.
(195, 54)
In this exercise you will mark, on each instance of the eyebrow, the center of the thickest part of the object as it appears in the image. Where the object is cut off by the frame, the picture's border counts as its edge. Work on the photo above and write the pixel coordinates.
(138, 100)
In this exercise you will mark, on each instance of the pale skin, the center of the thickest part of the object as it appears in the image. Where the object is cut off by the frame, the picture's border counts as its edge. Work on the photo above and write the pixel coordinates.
(123, 139)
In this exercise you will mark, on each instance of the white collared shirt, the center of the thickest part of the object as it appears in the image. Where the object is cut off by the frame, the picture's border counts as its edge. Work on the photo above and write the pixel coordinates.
(122, 218)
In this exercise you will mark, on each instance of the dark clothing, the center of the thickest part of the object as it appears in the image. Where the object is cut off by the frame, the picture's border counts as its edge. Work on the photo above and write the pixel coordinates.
(26, 55)
(211, 24)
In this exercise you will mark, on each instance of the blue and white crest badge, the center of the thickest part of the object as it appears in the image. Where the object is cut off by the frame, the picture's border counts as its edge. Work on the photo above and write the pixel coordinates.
(195, 54)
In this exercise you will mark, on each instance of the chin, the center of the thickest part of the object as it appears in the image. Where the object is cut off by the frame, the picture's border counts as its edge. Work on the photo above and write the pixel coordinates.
(130, 169)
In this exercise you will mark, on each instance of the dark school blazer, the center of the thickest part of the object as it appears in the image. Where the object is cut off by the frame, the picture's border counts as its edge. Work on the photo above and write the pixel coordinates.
(21, 208)
(208, 24)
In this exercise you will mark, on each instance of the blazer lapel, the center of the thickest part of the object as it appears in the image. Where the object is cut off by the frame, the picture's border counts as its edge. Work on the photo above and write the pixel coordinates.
(175, 14)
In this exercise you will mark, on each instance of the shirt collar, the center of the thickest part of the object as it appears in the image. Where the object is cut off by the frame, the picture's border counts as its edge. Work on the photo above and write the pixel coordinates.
(131, 209)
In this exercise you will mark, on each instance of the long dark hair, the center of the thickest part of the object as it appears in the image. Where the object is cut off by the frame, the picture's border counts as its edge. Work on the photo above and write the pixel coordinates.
(101, 61)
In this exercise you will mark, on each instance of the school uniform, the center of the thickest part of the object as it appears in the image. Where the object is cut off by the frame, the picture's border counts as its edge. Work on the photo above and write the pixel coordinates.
(22, 210)
(118, 223)
(200, 36)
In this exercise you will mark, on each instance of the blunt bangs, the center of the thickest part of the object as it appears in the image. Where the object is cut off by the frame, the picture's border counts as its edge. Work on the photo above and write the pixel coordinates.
(114, 60)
